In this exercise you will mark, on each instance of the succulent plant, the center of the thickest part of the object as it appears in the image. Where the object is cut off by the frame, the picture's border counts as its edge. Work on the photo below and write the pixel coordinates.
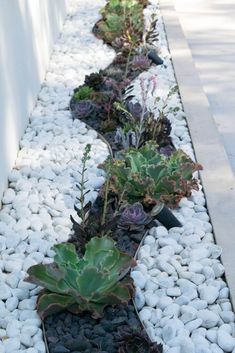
(140, 62)
(83, 284)
(122, 22)
(94, 80)
(83, 93)
(138, 342)
(84, 109)
(135, 109)
(148, 177)
(133, 216)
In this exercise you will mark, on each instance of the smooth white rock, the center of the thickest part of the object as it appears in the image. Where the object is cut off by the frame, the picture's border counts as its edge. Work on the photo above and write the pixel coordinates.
(198, 304)
(174, 350)
(9, 196)
(151, 299)
(12, 303)
(169, 331)
(193, 325)
(227, 316)
(29, 330)
(209, 318)
(11, 344)
(225, 341)
(163, 302)
(145, 314)
(173, 292)
(208, 293)
(215, 348)
(139, 279)
(172, 310)
(195, 266)
(226, 306)
(156, 316)
(5, 291)
(161, 232)
(211, 335)
(139, 298)
(224, 293)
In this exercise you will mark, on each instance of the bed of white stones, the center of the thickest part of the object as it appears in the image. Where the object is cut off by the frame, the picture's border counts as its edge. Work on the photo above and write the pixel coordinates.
(42, 186)
(182, 297)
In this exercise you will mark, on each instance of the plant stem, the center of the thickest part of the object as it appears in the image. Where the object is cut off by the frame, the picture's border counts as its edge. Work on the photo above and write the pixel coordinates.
(85, 158)
(105, 199)
(128, 60)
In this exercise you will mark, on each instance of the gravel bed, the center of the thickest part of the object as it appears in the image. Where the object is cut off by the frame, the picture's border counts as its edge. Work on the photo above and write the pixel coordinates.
(42, 186)
(182, 296)
(80, 333)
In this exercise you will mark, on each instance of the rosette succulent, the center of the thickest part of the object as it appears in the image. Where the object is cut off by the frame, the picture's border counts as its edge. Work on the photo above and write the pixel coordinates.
(83, 284)
(84, 109)
(148, 177)
(83, 93)
(133, 216)
(94, 80)
(135, 109)
(140, 62)
(122, 21)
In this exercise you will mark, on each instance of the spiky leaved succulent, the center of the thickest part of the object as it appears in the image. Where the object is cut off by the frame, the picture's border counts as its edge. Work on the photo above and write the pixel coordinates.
(83, 284)
(94, 80)
(84, 109)
(140, 62)
(146, 176)
(133, 216)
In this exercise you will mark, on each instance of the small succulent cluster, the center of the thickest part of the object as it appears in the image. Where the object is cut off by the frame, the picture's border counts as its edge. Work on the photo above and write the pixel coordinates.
(84, 109)
(83, 93)
(94, 80)
(122, 23)
(140, 62)
(133, 216)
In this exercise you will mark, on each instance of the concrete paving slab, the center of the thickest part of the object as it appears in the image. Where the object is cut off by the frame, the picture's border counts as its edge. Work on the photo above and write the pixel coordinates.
(217, 177)
(209, 27)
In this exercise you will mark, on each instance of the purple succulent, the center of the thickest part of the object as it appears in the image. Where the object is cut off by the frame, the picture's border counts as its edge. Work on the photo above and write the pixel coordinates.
(140, 62)
(135, 109)
(84, 109)
(133, 216)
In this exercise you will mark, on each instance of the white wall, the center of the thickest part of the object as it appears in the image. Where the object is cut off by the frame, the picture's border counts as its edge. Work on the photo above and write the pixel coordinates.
(28, 29)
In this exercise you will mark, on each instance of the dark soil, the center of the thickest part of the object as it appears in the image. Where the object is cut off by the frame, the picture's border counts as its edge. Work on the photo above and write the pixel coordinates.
(80, 333)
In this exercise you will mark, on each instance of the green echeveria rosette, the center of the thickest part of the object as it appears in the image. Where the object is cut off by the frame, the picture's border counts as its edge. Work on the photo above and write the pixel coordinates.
(83, 284)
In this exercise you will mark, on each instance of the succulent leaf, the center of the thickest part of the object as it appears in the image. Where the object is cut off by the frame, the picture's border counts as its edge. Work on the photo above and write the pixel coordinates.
(50, 303)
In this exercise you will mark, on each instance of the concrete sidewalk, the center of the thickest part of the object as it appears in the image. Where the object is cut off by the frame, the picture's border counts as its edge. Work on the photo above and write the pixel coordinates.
(209, 28)
(217, 177)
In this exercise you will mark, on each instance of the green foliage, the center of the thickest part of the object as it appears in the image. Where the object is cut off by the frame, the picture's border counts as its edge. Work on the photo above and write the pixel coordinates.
(83, 284)
(146, 176)
(83, 93)
(122, 19)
